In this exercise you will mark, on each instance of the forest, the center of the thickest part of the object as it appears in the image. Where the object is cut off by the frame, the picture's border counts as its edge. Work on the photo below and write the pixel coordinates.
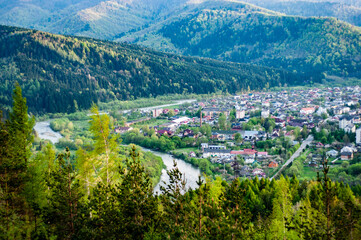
(316, 47)
(65, 74)
(101, 195)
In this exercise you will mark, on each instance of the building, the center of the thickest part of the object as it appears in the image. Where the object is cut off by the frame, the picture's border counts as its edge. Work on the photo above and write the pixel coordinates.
(307, 111)
(344, 121)
(273, 164)
(265, 113)
(240, 114)
(157, 112)
(358, 136)
(216, 153)
(347, 153)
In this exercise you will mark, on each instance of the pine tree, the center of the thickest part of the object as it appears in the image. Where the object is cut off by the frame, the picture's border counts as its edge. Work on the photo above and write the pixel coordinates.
(64, 195)
(16, 139)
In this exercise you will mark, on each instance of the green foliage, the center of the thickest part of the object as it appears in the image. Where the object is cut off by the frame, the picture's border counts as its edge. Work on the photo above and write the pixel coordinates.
(62, 74)
(233, 31)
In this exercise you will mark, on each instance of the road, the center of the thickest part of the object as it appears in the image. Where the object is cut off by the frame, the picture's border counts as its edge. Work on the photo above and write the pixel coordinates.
(295, 155)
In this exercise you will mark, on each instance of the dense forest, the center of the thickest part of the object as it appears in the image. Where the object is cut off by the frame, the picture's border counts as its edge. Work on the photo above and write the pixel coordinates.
(238, 32)
(63, 74)
(348, 11)
(49, 196)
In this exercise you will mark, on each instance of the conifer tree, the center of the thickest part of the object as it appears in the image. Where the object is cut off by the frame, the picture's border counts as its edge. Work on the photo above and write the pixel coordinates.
(16, 139)
(64, 195)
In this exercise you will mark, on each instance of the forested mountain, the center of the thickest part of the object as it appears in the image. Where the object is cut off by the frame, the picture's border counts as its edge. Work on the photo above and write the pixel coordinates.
(95, 18)
(61, 74)
(348, 11)
(238, 32)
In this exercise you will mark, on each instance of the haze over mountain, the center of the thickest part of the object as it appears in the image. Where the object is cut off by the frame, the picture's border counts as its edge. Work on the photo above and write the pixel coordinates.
(113, 18)
(238, 32)
(61, 74)
(93, 18)
(345, 10)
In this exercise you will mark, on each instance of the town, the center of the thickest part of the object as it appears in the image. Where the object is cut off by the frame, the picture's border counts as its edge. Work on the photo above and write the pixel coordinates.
(256, 133)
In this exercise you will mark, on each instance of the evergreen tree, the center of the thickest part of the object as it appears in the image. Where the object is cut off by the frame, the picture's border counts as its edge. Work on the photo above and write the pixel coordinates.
(64, 195)
(16, 139)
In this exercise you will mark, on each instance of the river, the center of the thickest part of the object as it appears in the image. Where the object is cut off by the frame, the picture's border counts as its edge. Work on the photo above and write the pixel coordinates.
(190, 173)
(45, 132)
(148, 109)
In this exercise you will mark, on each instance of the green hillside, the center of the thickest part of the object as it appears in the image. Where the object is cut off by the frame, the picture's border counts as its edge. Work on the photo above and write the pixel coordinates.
(102, 19)
(341, 11)
(59, 74)
(238, 32)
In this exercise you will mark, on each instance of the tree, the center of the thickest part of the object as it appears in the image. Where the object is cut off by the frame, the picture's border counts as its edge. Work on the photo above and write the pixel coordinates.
(173, 202)
(105, 147)
(64, 196)
(16, 139)
(222, 122)
(238, 137)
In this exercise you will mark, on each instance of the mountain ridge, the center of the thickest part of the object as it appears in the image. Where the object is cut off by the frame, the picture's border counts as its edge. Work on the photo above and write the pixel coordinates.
(60, 73)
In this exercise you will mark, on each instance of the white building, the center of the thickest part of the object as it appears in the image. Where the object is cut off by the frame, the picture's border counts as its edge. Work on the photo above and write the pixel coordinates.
(345, 121)
(240, 114)
(265, 113)
(358, 136)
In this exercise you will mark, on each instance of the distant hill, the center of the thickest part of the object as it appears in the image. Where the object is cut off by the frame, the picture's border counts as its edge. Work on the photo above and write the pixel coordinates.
(238, 32)
(60, 74)
(348, 11)
(103, 19)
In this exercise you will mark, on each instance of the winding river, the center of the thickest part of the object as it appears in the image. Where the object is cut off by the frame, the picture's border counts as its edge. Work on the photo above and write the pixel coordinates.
(190, 173)
(45, 132)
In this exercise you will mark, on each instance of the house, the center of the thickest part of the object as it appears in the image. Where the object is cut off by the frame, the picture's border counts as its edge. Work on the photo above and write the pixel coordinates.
(332, 153)
(245, 171)
(122, 129)
(192, 154)
(163, 132)
(307, 111)
(223, 135)
(249, 135)
(215, 111)
(312, 163)
(273, 164)
(188, 133)
(319, 145)
(216, 153)
(258, 172)
(262, 154)
(347, 153)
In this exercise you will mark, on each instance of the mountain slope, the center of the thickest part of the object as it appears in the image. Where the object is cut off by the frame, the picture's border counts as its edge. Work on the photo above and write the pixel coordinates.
(59, 74)
(238, 32)
(347, 11)
(102, 19)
